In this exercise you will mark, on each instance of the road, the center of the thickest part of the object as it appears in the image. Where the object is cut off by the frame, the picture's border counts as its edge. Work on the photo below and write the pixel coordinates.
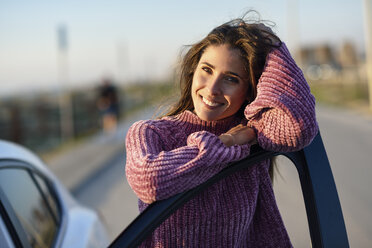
(347, 137)
(107, 190)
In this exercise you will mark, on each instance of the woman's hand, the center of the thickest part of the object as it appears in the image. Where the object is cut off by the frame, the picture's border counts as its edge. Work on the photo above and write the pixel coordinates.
(239, 135)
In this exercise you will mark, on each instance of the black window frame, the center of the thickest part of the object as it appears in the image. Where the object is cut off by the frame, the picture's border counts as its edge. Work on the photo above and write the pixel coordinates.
(16, 230)
(324, 213)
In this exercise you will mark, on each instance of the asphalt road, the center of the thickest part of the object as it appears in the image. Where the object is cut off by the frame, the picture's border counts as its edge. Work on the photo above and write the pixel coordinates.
(347, 137)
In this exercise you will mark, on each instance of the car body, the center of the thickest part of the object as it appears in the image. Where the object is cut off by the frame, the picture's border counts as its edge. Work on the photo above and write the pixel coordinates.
(36, 210)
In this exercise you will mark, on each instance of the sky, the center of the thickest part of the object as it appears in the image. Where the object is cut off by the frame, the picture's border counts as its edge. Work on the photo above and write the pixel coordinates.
(139, 40)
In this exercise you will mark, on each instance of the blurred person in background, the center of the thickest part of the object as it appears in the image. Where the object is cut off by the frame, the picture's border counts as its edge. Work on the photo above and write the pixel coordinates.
(108, 104)
(239, 86)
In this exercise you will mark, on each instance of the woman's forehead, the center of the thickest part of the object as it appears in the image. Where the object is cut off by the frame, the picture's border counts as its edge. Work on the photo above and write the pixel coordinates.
(223, 57)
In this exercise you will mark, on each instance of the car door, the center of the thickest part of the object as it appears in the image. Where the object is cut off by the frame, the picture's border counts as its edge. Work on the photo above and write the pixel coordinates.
(29, 207)
(325, 219)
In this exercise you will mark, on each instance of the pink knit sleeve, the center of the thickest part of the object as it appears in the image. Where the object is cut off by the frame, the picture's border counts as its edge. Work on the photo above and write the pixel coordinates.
(155, 173)
(283, 112)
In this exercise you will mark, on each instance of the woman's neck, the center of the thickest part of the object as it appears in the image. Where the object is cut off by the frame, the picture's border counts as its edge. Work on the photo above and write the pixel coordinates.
(190, 121)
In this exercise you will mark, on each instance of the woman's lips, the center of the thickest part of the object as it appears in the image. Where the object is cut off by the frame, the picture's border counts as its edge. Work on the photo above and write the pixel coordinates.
(211, 103)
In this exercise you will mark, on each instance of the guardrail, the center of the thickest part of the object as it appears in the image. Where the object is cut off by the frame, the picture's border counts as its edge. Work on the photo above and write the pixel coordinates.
(324, 214)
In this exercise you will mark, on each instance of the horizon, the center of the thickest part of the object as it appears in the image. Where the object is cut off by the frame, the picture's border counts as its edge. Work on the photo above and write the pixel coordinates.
(141, 40)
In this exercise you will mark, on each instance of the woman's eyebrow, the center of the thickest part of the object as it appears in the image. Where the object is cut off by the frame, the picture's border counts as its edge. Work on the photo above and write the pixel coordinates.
(226, 72)
(234, 74)
(206, 63)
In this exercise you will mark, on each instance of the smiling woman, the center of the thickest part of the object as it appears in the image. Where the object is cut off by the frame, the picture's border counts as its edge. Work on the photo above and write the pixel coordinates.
(239, 86)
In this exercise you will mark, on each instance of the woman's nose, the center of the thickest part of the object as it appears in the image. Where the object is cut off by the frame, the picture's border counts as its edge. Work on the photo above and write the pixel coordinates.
(214, 86)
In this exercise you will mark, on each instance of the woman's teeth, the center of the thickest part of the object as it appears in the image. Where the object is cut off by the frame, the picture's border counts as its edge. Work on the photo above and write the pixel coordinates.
(209, 103)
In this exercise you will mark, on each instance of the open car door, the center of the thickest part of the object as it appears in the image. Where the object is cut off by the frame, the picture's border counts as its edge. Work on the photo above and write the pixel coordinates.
(324, 214)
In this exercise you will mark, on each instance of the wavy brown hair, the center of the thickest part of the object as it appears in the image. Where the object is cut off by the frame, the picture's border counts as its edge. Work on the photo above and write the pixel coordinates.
(253, 40)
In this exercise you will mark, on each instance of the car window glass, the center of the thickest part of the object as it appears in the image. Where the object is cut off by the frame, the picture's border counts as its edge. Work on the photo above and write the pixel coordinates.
(49, 197)
(29, 206)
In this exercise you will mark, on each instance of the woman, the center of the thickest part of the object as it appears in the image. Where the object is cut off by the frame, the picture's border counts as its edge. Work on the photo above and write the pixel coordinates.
(239, 86)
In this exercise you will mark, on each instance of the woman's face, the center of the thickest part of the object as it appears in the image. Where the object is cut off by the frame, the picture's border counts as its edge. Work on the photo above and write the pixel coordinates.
(219, 86)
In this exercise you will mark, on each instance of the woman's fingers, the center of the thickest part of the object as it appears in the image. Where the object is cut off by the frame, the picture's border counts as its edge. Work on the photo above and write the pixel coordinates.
(244, 135)
(239, 135)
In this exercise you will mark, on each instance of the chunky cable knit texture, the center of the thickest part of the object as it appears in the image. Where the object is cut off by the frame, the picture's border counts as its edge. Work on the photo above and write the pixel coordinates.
(174, 154)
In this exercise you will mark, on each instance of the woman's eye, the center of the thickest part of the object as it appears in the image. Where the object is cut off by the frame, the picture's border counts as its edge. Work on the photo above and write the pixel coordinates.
(232, 79)
(207, 69)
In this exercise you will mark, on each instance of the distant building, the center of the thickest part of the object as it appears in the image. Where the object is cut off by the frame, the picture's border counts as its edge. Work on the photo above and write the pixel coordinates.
(348, 56)
(323, 62)
(324, 54)
(318, 55)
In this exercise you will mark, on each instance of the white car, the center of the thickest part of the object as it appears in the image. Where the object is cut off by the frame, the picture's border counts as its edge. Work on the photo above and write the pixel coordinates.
(36, 210)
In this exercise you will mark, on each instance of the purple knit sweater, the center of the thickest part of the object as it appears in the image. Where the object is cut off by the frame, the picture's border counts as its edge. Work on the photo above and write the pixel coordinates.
(175, 154)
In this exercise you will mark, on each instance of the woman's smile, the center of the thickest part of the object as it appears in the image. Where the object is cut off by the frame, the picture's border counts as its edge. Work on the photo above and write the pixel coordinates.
(211, 103)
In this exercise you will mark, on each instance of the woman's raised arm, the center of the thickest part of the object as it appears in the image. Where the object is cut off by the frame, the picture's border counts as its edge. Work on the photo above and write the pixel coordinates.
(283, 113)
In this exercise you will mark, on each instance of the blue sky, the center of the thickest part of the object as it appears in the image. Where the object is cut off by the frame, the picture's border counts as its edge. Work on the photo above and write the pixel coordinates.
(141, 39)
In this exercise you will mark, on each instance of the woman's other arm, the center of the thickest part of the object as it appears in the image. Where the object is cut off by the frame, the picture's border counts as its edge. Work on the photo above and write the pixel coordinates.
(155, 174)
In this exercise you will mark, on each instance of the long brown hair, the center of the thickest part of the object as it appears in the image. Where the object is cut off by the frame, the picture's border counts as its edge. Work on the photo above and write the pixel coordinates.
(254, 41)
